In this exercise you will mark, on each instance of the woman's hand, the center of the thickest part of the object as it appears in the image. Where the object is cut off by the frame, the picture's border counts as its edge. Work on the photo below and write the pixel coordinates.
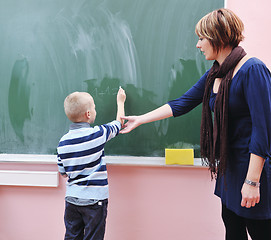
(132, 123)
(250, 196)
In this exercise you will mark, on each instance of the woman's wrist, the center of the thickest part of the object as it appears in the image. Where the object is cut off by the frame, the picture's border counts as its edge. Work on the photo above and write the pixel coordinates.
(252, 183)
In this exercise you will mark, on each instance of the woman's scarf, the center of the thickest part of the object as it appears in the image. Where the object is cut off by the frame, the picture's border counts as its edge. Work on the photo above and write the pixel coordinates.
(214, 136)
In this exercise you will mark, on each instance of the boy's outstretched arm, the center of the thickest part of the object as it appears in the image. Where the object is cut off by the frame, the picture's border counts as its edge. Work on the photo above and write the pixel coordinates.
(121, 97)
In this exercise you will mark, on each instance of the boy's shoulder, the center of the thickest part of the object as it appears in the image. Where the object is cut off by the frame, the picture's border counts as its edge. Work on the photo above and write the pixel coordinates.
(78, 130)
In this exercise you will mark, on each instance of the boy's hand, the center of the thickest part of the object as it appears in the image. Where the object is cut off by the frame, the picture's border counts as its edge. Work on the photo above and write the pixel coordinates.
(121, 97)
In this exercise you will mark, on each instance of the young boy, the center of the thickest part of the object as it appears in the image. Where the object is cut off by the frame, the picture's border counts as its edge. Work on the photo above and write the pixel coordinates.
(81, 159)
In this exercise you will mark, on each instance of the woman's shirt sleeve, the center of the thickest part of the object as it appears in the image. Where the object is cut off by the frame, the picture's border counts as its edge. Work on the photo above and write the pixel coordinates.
(192, 98)
(257, 90)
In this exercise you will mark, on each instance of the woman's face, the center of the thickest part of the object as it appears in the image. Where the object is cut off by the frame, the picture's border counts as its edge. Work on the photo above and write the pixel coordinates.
(205, 46)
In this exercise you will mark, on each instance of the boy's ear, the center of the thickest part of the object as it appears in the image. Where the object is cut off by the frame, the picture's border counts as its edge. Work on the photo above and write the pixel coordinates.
(87, 114)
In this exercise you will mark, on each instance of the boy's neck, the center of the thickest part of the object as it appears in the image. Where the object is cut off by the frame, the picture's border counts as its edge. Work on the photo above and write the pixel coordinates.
(76, 125)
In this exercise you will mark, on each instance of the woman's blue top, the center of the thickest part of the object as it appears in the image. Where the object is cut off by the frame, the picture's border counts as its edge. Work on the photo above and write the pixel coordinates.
(249, 132)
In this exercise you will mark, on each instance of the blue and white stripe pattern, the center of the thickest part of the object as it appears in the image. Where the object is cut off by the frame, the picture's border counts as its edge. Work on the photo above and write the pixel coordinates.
(80, 156)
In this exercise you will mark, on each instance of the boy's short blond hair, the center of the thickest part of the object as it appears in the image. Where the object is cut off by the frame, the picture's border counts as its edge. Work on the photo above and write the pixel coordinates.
(76, 105)
(222, 28)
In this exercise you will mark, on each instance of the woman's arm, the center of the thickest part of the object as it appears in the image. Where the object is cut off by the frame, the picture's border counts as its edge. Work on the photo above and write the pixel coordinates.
(251, 194)
(155, 115)
(184, 104)
(257, 91)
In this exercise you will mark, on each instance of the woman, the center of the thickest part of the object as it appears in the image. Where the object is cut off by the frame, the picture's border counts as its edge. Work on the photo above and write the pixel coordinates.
(236, 142)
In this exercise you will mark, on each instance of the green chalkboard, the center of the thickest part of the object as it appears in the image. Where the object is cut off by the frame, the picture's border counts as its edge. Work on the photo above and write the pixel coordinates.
(54, 47)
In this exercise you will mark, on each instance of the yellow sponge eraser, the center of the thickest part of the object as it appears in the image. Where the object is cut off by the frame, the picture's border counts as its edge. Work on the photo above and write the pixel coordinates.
(179, 156)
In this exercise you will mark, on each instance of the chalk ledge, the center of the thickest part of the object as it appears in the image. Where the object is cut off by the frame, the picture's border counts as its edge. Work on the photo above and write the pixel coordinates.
(111, 160)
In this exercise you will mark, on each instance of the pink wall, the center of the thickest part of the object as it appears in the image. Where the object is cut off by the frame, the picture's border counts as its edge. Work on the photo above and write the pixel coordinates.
(160, 203)
(155, 203)
(257, 19)
(30, 213)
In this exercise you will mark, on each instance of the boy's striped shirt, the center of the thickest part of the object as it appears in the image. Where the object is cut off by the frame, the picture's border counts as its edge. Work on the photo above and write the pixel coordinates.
(80, 156)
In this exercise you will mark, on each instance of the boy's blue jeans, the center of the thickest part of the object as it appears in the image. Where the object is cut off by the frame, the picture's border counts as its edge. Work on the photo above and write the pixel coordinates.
(85, 222)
